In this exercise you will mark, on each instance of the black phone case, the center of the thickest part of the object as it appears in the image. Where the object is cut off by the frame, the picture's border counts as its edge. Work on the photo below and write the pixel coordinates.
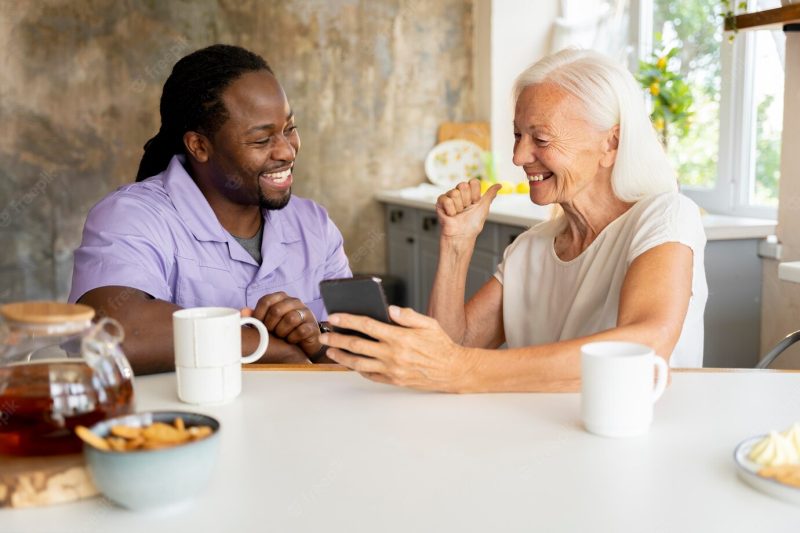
(356, 296)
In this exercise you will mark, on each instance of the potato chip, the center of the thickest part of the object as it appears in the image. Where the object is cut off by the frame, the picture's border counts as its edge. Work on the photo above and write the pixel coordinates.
(126, 432)
(199, 432)
(153, 437)
(164, 433)
(117, 444)
(153, 445)
(135, 444)
(86, 435)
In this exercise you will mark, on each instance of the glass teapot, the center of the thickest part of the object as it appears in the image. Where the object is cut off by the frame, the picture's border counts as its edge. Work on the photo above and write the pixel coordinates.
(58, 370)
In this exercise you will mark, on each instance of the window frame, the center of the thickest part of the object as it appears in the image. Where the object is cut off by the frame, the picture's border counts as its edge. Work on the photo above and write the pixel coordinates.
(736, 149)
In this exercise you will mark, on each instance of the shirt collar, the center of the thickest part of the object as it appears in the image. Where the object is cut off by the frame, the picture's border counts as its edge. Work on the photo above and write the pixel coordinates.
(190, 203)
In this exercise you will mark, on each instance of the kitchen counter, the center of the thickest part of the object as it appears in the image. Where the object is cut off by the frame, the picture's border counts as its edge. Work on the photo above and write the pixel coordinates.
(518, 210)
(789, 271)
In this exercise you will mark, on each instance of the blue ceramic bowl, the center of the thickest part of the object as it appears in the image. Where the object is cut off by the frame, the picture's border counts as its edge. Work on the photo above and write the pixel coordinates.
(146, 479)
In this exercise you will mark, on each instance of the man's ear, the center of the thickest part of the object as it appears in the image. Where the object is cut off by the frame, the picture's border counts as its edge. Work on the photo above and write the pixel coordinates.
(610, 146)
(197, 146)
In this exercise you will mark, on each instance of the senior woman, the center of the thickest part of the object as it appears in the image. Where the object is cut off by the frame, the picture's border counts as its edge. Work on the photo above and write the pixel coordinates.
(622, 260)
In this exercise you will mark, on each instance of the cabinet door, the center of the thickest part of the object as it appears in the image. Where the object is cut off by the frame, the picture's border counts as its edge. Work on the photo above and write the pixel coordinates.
(506, 235)
(401, 248)
(487, 240)
(481, 268)
(428, 257)
(733, 309)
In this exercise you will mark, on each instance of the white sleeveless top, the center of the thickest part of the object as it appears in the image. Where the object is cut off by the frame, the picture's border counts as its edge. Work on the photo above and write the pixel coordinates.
(547, 300)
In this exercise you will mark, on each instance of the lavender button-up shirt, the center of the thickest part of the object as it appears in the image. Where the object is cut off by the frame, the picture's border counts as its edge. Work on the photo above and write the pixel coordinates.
(160, 236)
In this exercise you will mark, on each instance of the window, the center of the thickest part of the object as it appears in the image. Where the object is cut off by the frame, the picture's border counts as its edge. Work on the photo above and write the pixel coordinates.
(729, 160)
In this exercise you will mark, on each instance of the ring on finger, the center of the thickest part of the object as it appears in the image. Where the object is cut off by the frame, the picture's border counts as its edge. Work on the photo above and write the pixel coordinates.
(302, 315)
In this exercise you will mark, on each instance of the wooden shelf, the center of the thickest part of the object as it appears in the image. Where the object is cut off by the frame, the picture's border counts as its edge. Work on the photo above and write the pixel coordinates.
(762, 19)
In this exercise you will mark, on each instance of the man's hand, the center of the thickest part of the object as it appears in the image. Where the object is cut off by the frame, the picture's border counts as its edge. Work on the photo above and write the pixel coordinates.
(289, 319)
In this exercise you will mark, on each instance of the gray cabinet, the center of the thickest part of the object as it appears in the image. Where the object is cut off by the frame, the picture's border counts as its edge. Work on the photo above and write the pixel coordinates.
(403, 250)
(428, 257)
(480, 270)
(733, 310)
(733, 272)
(413, 252)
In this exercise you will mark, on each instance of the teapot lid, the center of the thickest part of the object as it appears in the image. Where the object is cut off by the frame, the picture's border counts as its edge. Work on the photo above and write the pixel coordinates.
(46, 312)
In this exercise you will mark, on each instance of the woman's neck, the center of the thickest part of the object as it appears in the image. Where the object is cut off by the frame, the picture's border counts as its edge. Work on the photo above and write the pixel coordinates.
(586, 216)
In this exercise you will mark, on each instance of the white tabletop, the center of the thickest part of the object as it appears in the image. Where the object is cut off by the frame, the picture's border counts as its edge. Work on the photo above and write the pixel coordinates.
(330, 451)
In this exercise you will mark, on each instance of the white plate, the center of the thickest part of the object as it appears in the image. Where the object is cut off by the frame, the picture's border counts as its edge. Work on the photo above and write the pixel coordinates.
(748, 472)
(452, 162)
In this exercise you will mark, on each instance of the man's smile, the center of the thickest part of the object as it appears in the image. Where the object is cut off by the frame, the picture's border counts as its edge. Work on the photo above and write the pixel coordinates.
(277, 180)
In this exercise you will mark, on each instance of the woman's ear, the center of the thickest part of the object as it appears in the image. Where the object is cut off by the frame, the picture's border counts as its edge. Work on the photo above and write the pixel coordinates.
(197, 145)
(610, 145)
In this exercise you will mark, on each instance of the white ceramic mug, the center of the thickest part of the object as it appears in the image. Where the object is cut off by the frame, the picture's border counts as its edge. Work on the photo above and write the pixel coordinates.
(617, 389)
(208, 353)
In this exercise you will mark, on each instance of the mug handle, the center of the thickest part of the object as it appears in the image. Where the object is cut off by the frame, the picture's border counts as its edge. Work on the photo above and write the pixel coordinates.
(662, 372)
(263, 339)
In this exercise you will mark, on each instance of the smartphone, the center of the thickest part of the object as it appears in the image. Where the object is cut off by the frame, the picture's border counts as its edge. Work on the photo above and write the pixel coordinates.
(359, 295)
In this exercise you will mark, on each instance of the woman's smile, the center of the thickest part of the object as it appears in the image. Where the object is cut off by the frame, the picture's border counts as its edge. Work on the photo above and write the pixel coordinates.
(539, 177)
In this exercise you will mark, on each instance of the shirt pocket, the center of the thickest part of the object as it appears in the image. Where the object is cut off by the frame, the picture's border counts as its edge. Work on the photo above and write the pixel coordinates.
(303, 285)
(199, 286)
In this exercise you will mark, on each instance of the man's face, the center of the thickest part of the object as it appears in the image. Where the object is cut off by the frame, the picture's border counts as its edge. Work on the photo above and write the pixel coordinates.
(254, 150)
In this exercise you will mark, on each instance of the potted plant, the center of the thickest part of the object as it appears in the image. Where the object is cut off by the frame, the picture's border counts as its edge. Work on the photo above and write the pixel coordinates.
(671, 96)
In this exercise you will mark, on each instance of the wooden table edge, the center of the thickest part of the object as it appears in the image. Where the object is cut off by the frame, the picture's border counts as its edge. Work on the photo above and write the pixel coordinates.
(340, 368)
(258, 367)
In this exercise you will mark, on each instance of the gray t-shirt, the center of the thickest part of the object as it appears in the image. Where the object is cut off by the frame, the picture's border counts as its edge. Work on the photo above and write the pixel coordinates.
(253, 244)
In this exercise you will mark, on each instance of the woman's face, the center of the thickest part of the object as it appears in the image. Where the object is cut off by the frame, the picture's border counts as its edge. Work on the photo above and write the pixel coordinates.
(563, 155)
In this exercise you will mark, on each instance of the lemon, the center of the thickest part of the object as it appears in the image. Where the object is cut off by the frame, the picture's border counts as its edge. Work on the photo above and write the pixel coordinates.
(508, 187)
(485, 185)
(523, 187)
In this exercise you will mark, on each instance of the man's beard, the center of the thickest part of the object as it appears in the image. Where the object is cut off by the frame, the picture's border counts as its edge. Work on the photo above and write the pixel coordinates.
(274, 204)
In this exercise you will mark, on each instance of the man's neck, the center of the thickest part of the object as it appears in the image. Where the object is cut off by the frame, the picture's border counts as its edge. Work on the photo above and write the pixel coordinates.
(240, 220)
(243, 221)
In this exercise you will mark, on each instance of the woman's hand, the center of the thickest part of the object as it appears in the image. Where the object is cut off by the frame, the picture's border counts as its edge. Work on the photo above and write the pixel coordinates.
(462, 210)
(419, 355)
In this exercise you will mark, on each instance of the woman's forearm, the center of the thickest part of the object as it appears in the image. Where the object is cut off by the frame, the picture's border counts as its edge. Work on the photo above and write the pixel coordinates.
(449, 286)
(554, 367)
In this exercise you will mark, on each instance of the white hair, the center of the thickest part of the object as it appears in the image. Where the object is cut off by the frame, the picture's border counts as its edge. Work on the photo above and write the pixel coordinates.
(610, 96)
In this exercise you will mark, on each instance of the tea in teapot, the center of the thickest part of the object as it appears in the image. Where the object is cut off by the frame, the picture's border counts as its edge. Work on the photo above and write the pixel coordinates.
(58, 370)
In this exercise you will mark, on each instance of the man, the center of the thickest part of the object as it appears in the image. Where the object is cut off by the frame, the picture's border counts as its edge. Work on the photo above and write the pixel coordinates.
(211, 220)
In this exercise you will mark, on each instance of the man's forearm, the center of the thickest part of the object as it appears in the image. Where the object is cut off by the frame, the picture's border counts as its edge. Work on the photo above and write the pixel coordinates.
(147, 324)
(148, 341)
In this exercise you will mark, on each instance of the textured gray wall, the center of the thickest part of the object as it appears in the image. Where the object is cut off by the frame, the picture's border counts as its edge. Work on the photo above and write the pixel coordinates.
(80, 81)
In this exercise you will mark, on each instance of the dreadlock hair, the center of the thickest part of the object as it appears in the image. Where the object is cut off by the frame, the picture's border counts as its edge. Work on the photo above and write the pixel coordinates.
(192, 100)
